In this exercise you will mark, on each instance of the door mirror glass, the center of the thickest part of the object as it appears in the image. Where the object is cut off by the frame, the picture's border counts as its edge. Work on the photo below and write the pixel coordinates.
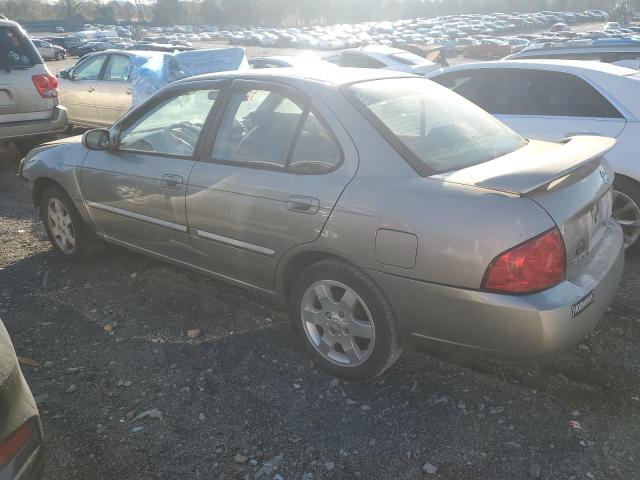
(64, 74)
(98, 139)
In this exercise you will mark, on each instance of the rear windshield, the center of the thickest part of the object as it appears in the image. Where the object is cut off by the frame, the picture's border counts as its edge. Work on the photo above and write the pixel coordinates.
(434, 129)
(15, 50)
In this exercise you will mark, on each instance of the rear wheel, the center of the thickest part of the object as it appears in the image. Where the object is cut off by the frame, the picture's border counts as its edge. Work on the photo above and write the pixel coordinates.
(66, 230)
(626, 210)
(344, 321)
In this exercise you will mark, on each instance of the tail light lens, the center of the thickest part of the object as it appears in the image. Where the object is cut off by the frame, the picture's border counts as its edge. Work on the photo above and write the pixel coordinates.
(47, 85)
(12, 445)
(532, 266)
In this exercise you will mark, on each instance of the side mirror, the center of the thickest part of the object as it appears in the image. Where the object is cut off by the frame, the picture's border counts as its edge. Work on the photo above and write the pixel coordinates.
(98, 139)
(64, 74)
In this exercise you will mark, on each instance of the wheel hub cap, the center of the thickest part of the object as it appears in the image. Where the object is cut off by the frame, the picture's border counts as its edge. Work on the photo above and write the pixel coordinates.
(338, 323)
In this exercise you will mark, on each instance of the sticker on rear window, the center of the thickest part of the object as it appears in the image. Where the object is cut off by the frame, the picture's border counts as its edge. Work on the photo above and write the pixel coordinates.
(580, 306)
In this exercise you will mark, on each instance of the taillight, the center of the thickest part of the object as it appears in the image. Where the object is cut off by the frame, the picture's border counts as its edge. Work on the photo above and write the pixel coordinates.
(12, 445)
(532, 266)
(47, 85)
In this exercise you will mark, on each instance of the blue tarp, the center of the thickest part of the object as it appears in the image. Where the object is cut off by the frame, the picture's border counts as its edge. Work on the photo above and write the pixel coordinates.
(152, 72)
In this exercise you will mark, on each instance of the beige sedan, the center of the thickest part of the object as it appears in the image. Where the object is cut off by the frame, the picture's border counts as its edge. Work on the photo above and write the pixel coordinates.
(97, 91)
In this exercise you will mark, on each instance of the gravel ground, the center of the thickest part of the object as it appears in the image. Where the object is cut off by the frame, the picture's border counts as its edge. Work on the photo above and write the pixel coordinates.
(124, 392)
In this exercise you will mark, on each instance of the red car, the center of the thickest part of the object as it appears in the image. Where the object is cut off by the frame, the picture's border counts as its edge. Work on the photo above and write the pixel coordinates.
(488, 49)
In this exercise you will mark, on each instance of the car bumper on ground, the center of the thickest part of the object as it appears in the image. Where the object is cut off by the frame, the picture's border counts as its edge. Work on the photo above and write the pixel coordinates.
(537, 325)
(34, 128)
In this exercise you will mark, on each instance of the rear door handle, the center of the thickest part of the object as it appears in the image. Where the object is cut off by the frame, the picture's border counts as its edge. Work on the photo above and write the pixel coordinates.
(301, 204)
(171, 181)
(90, 89)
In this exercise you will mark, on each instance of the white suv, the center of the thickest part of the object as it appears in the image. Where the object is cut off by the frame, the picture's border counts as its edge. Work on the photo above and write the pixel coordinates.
(29, 108)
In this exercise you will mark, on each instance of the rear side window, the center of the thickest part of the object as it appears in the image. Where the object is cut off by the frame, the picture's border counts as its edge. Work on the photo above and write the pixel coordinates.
(545, 93)
(434, 129)
(531, 92)
(267, 129)
(359, 61)
(118, 69)
(15, 49)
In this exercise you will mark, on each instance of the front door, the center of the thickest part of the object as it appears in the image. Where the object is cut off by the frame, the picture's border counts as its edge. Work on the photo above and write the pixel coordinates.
(136, 193)
(275, 173)
(113, 90)
(77, 92)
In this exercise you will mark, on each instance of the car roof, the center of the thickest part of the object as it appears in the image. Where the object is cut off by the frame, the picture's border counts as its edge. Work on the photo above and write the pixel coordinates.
(569, 66)
(337, 76)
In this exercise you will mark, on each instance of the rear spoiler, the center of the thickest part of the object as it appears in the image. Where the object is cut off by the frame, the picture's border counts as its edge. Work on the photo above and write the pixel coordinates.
(537, 166)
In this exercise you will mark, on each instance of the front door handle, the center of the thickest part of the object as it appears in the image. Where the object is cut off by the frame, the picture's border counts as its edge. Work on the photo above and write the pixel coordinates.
(90, 89)
(297, 203)
(171, 181)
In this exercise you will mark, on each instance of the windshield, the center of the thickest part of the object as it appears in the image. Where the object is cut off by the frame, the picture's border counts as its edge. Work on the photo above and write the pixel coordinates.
(408, 58)
(435, 129)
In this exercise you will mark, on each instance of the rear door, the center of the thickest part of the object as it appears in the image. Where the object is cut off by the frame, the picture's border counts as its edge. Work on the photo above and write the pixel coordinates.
(19, 62)
(78, 92)
(274, 175)
(113, 92)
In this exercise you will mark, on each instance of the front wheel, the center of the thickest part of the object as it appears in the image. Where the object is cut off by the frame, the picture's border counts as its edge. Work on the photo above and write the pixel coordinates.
(344, 321)
(66, 230)
(626, 210)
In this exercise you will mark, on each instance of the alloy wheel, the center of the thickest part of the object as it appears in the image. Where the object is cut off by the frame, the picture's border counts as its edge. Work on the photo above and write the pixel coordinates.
(338, 323)
(627, 212)
(61, 226)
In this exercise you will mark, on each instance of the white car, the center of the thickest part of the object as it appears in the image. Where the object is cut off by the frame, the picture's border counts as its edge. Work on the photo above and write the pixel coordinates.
(379, 56)
(49, 51)
(556, 99)
(612, 26)
(285, 61)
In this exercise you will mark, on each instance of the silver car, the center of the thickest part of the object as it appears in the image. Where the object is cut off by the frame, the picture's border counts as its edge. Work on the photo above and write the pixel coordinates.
(385, 210)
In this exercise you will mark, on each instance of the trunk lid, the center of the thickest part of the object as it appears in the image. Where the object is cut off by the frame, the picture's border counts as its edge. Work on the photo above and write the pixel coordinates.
(570, 180)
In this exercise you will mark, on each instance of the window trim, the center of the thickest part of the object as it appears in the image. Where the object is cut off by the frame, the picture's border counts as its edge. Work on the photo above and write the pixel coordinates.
(87, 60)
(166, 94)
(299, 98)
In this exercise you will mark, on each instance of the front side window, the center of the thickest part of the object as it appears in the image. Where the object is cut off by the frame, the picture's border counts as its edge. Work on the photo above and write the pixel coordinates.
(172, 127)
(471, 85)
(433, 128)
(265, 128)
(118, 69)
(89, 69)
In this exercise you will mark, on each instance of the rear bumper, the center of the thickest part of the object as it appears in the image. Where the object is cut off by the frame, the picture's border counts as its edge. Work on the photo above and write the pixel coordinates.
(35, 128)
(538, 325)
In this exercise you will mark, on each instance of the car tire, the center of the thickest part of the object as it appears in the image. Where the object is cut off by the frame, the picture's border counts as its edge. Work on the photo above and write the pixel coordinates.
(626, 209)
(67, 231)
(351, 331)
